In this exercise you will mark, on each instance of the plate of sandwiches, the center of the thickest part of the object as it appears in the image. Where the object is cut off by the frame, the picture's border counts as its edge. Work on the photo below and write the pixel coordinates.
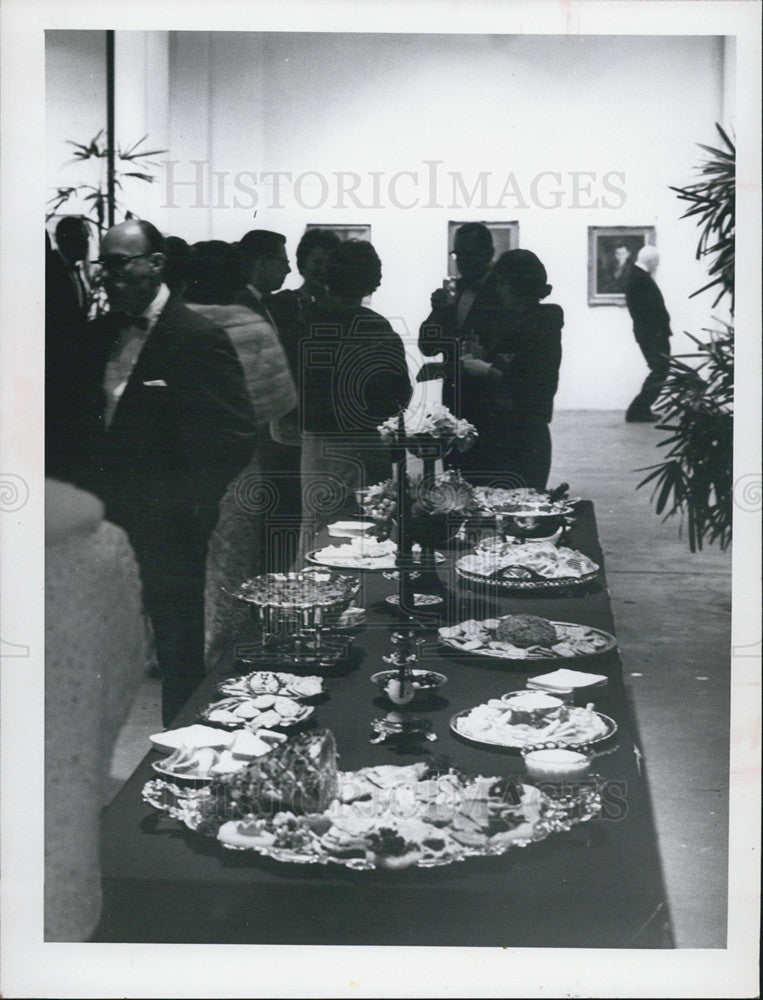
(205, 763)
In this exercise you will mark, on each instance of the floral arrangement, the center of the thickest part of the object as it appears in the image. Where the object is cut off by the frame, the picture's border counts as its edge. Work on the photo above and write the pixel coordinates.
(424, 425)
(433, 502)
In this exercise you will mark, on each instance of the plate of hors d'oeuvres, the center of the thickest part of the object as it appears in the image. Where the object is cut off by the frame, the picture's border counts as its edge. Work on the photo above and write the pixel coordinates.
(511, 564)
(294, 806)
(523, 719)
(523, 637)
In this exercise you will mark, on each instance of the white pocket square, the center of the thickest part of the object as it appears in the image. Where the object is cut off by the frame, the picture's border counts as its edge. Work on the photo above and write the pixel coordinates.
(156, 383)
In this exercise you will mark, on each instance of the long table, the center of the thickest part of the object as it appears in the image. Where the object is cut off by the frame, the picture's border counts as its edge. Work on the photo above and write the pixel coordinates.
(598, 885)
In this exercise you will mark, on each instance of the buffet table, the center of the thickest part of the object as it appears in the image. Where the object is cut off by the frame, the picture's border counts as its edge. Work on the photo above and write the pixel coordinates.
(597, 885)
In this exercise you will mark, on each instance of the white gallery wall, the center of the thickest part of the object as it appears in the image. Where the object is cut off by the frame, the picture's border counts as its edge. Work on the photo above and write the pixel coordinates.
(406, 132)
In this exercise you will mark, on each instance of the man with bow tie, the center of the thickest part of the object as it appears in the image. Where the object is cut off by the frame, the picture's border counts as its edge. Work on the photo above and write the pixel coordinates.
(462, 327)
(176, 426)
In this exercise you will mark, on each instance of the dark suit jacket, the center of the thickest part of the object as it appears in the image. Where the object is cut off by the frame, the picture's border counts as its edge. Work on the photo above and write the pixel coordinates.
(646, 305)
(246, 298)
(66, 426)
(441, 333)
(60, 293)
(172, 447)
(288, 311)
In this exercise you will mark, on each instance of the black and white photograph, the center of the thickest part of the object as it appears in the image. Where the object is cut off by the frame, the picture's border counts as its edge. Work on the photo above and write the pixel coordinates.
(381, 512)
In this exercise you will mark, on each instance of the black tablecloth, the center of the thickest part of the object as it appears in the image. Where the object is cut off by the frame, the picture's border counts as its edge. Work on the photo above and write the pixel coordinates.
(599, 885)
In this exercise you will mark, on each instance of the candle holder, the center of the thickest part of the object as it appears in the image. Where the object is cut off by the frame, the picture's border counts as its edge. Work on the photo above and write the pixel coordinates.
(406, 598)
(398, 726)
(429, 433)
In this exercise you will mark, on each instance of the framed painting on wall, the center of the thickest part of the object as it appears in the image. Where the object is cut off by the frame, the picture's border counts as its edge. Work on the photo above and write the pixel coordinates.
(505, 237)
(612, 252)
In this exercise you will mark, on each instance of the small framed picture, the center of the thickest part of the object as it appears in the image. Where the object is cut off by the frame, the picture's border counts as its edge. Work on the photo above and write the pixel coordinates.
(344, 232)
(505, 237)
(612, 252)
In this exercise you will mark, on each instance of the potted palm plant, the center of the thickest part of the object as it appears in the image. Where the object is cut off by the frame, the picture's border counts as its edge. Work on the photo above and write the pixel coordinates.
(696, 405)
(132, 162)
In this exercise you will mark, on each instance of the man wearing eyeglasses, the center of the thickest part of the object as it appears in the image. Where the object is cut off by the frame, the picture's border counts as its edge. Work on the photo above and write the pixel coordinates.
(176, 426)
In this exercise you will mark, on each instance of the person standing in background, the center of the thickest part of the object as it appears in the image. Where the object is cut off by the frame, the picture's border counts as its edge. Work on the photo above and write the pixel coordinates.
(266, 265)
(236, 549)
(651, 328)
(67, 433)
(353, 375)
(519, 375)
(457, 327)
(288, 306)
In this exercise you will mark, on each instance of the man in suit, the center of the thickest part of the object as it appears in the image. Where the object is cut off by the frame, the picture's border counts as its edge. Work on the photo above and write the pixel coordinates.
(651, 327)
(177, 425)
(463, 328)
(66, 262)
(266, 265)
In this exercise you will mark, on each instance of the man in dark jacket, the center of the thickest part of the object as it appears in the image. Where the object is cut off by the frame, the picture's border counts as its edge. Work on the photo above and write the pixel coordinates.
(66, 307)
(266, 265)
(176, 426)
(651, 327)
(462, 327)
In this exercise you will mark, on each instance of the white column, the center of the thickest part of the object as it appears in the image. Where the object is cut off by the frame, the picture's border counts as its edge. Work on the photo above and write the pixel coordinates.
(141, 108)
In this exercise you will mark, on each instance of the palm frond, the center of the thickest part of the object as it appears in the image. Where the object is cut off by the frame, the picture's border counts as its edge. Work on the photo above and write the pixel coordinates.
(696, 404)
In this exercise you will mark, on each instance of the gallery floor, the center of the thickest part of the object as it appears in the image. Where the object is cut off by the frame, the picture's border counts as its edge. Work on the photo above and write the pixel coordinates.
(672, 612)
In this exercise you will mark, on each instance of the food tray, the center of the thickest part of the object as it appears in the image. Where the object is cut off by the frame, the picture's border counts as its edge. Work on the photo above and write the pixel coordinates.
(535, 816)
(608, 640)
(611, 729)
(518, 584)
(298, 714)
(382, 564)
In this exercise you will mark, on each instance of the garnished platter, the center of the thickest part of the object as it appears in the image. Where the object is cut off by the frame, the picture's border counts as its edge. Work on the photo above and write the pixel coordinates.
(534, 639)
(526, 565)
(525, 719)
(388, 817)
(521, 502)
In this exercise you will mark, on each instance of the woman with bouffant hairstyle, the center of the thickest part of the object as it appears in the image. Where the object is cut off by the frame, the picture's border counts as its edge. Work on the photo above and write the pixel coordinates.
(352, 375)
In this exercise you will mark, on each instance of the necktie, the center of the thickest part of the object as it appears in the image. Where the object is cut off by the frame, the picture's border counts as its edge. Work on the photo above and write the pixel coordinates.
(79, 286)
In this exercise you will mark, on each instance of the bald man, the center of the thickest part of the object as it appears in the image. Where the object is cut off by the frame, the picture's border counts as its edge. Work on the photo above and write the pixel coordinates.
(176, 425)
(651, 328)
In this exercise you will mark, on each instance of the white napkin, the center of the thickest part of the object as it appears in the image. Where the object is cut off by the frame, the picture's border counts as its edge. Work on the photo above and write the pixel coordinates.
(564, 678)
